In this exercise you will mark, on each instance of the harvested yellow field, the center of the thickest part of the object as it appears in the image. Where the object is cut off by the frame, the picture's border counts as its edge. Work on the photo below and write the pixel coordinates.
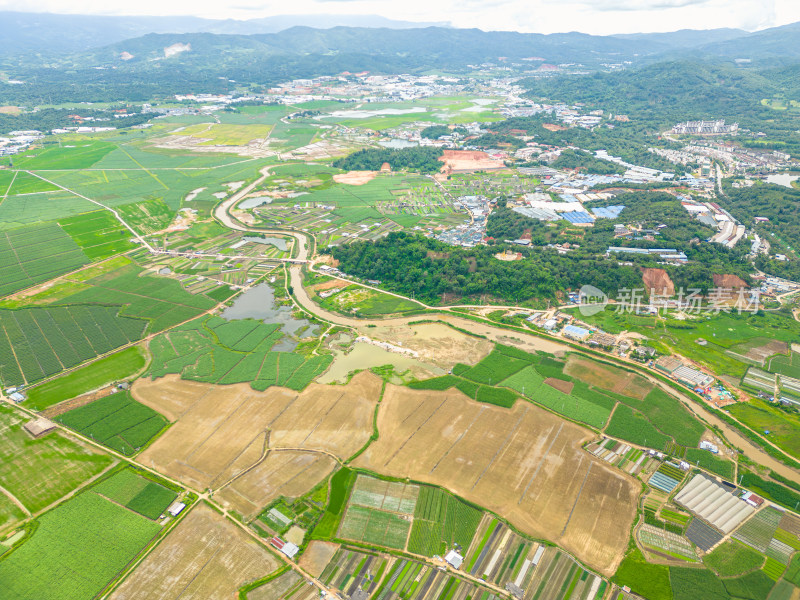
(607, 377)
(226, 134)
(206, 556)
(435, 343)
(220, 431)
(288, 473)
(317, 556)
(525, 464)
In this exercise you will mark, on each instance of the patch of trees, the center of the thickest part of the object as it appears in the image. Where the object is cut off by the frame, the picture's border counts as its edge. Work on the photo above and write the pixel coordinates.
(418, 159)
(497, 140)
(585, 161)
(779, 204)
(434, 132)
(56, 118)
(630, 141)
(413, 264)
(506, 224)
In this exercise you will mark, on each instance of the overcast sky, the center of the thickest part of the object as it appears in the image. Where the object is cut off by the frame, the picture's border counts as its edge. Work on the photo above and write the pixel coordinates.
(542, 16)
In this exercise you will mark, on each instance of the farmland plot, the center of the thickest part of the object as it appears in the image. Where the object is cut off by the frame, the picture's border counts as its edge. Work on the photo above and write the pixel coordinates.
(30, 255)
(523, 463)
(221, 430)
(39, 472)
(117, 421)
(379, 512)
(205, 556)
(282, 473)
(351, 570)
(77, 549)
(441, 521)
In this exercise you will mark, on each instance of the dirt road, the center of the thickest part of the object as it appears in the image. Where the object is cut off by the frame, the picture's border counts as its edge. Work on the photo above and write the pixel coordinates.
(496, 334)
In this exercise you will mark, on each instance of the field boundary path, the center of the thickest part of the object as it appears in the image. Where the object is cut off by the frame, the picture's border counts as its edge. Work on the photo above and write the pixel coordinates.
(136, 234)
(490, 330)
(15, 500)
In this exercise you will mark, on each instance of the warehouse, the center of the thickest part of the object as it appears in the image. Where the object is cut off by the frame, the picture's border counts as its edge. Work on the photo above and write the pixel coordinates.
(692, 377)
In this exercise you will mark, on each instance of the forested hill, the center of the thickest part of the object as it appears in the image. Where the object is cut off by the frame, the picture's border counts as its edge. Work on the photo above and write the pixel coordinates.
(674, 91)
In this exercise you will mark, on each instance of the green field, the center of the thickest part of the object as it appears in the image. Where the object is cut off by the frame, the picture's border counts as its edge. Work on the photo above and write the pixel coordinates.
(340, 485)
(634, 427)
(763, 416)
(374, 527)
(214, 350)
(226, 134)
(648, 580)
(108, 369)
(78, 156)
(690, 584)
(40, 471)
(31, 255)
(141, 495)
(440, 521)
(117, 421)
(494, 368)
(733, 558)
(669, 416)
(365, 302)
(106, 310)
(786, 365)
(99, 234)
(593, 408)
(40, 342)
(77, 549)
(711, 462)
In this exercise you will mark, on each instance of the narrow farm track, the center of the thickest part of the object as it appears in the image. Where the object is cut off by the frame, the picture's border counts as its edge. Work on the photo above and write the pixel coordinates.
(15, 500)
(119, 218)
(491, 331)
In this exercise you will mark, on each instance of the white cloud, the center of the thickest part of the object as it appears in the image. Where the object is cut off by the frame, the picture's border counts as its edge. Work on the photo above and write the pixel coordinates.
(545, 16)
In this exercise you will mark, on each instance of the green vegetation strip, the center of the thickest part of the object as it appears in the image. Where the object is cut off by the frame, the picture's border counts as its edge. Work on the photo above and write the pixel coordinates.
(114, 367)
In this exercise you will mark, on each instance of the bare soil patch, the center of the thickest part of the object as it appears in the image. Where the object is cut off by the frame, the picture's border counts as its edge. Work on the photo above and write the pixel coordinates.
(658, 280)
(68, 405)
(221, 431)
(761, 353)
(525, 464)
(329, 285)
(206, 556)
(607, 377)
(560, 384)
(464, 161)
(435, 343)
(729, 281)
(282, 473)
(10, 110)
(317, 556)
(355, 177)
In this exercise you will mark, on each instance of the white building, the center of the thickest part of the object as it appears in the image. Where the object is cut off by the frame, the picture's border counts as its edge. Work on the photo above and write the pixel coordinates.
(454, 559)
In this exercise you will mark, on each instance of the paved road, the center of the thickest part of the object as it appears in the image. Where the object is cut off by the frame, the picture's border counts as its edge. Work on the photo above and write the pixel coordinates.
(487, 330)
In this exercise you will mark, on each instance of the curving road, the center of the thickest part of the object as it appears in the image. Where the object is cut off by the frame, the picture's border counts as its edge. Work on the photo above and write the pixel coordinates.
(496, 334)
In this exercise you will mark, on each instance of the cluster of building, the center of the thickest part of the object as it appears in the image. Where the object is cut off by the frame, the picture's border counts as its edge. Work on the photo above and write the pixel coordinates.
(738, 159)
(729, 230)
(18, 141)
(472, 233)
(705, 128)
(688, 376)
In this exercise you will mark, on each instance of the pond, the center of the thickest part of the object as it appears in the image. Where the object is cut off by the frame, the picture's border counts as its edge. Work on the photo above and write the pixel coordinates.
(366, 356)
(259, 200)
(259, 303)
(365, 114)
(279, 243)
